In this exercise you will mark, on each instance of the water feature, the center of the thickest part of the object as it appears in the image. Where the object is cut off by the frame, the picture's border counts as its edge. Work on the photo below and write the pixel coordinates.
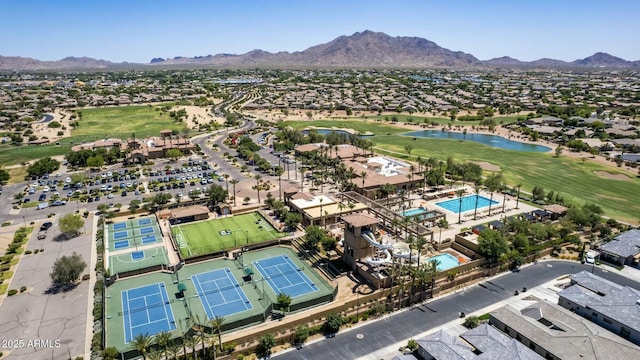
(491, 140)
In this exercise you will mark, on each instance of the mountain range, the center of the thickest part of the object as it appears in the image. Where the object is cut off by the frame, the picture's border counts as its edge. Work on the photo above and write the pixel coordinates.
(365, 49)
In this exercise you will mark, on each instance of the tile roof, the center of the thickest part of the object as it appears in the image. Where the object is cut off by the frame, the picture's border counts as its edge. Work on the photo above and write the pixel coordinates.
(625, 245)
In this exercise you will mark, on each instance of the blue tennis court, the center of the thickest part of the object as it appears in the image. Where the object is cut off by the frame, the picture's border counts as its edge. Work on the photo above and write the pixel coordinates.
(120, 235)
(120, 226)
(146, 310)
(283, 276)
(122, 244)
(149, 239)
(137, 255)
(146, 230)
(145, 221)
(220, 293)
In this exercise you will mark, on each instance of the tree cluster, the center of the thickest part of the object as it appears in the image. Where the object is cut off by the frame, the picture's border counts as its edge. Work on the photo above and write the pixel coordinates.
(94, 158)
(43, 166)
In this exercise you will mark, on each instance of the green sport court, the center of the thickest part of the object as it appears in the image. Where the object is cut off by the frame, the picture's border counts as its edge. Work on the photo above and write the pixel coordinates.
(150, 303)
(134, 260)
(218, 234)
(132, 233)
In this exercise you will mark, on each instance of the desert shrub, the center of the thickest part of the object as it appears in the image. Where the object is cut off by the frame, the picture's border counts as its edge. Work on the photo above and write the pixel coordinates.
(12, 292)
(23, 288)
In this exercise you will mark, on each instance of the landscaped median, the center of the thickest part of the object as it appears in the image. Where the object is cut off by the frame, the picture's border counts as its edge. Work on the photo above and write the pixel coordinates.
(11, 259)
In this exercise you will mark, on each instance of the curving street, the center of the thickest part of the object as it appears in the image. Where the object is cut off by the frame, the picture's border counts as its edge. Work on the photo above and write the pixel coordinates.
(406, 324)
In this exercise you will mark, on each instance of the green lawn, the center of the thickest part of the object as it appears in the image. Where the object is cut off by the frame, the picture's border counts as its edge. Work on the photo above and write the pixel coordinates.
(574, 180)
(121, 122)
(99, 123)
(11, 155)
(205, 237)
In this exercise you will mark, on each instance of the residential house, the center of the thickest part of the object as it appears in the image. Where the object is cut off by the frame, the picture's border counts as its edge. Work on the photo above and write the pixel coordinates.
(612, 306)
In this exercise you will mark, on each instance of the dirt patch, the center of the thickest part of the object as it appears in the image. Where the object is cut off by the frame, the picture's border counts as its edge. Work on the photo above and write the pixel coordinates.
(487, 166)
(42, 129)
(197, 115)
(608, 175)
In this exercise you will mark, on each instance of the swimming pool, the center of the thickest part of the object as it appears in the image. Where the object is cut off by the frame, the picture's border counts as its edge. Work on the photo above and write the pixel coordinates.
(421, 213)
(468, 203)
(445, 261)
(414, 212)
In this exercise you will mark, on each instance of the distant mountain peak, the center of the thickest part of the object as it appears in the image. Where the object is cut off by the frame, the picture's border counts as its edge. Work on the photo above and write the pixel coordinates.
(602, 59)
(364, 49)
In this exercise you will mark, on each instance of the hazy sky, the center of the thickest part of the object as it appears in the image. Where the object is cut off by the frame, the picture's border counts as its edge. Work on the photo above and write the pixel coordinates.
(138, 30)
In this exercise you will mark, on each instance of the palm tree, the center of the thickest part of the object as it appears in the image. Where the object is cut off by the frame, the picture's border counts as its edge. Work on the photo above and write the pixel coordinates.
(476, 189)
(216, 328)
(192, 342)
(141, 343)
(443, 223)
(258, 178)
(395, 224)
(493, 183)
(162, 339)
(233, 183)
(302, 171)
(173, 349)
(405, 223)
(155, 355)
(518, 195)
(460, 194)
(412, 170)
(386, 190)
(321, 199)
(363, 174)
(226, 180)
(279, 171)
(421, 241)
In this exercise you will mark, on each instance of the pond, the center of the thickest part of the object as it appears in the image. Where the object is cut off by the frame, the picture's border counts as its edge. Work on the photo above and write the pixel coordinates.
(491, 140)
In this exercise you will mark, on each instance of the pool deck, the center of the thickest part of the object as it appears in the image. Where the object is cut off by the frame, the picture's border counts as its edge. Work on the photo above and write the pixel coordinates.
(467, 221)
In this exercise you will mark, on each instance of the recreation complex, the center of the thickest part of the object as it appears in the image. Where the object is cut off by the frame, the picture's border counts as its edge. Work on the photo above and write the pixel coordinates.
(177, 270)
(177, 277)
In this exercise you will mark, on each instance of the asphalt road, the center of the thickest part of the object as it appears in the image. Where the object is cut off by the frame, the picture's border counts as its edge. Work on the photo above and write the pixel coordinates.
(420, 318)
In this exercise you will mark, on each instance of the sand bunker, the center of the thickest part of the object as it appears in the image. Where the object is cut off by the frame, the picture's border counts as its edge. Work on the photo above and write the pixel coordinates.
(487, 166)
(608, 175)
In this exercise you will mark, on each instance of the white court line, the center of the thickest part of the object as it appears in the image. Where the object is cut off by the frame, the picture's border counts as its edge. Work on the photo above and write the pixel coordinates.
(206, 299)
(240, 295)
(126, 293)
(164, 305)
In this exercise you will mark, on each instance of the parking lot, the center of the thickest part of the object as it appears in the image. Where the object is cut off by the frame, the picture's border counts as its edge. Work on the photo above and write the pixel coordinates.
(187, 178)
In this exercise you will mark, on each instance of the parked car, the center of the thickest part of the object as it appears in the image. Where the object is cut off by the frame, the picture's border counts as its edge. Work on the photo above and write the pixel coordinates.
(46, 225)
(58, 203)
(590, 258)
